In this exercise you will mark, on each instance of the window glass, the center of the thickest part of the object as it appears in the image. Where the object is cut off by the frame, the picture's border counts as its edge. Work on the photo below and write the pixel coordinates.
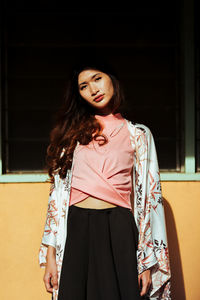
(40, 45)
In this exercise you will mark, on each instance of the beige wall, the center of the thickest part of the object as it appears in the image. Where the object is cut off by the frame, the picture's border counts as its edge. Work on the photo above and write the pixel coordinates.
(22, 217)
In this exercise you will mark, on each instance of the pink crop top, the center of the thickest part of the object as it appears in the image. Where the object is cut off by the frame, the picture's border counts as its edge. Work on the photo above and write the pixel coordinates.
(104, 172)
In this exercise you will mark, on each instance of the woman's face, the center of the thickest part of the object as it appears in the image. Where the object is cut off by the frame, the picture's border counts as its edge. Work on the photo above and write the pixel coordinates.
(96, 88)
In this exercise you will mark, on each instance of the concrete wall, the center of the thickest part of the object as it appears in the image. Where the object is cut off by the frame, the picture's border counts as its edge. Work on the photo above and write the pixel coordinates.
(22, 217)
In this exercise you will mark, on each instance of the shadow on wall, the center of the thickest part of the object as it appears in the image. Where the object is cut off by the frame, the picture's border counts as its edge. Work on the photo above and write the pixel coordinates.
(177, 282)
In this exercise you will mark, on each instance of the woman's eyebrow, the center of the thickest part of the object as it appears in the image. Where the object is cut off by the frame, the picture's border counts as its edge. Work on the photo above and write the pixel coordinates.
(91, 78)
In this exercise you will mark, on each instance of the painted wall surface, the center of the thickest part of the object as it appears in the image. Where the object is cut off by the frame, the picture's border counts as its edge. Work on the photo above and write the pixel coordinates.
(22, 217)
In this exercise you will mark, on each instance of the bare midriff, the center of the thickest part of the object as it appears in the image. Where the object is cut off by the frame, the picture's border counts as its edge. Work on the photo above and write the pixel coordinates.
(91, 202)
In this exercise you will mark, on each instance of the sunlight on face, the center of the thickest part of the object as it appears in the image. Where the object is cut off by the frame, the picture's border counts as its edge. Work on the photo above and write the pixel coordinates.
(96, 88)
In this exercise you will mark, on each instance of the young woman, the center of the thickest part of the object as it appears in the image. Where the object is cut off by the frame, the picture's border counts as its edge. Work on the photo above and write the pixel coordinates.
(105, 235)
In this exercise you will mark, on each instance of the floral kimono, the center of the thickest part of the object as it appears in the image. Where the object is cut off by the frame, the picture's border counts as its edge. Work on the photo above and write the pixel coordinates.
(149, 215)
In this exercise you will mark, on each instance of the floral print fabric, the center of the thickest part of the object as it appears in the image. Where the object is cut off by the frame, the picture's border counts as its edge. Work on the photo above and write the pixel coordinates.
(148, 213)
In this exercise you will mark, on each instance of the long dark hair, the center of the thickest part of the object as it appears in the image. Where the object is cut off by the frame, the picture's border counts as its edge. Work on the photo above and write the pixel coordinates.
(75, 120)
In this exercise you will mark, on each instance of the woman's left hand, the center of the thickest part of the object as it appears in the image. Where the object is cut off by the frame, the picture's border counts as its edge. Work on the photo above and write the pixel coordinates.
(145, 277)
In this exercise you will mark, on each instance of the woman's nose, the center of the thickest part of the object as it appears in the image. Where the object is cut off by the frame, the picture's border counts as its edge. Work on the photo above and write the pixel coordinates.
(93, 90)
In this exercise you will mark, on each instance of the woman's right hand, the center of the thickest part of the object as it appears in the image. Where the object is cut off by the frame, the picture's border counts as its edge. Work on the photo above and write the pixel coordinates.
(51, 275)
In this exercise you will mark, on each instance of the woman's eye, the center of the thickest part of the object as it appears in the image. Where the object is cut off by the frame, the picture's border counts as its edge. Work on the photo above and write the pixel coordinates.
(97, 78)
(83, 87)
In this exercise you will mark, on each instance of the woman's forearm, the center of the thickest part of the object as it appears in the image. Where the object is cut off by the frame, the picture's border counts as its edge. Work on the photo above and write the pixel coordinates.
(51, 252)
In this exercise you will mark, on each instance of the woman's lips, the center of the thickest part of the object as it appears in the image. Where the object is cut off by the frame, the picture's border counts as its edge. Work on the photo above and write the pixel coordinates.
(99, 98)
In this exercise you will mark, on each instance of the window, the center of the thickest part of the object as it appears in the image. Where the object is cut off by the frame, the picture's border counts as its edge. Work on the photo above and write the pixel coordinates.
(197, 84)
(40, 44)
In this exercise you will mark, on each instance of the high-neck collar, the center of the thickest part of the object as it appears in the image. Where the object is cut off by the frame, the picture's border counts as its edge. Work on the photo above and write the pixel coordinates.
(109, 117)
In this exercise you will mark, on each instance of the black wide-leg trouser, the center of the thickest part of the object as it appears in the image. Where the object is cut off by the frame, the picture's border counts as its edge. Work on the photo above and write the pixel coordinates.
(99, 261)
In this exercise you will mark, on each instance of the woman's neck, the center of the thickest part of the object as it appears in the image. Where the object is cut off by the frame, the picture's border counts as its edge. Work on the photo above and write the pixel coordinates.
(109, 117)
